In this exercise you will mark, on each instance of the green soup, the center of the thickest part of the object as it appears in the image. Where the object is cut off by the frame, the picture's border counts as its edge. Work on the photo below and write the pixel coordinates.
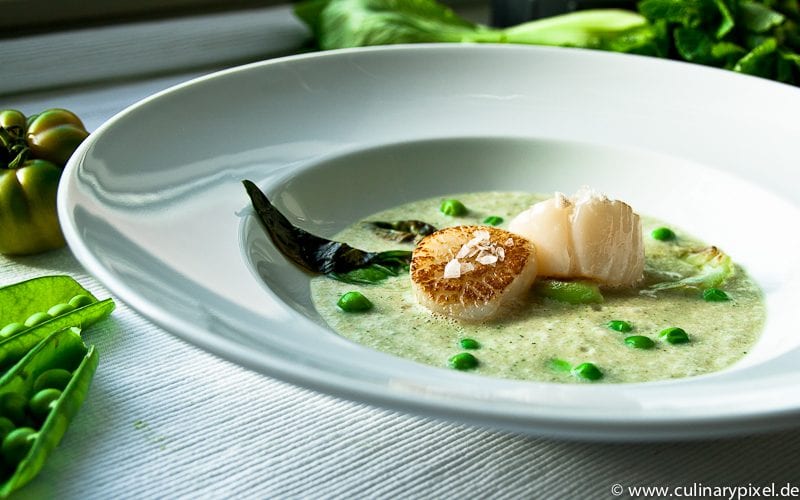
(540, 338)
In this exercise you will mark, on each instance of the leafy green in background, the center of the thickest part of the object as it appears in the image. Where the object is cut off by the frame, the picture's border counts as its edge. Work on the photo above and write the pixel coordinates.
(750, 37)
(339, 24)
(760, 38)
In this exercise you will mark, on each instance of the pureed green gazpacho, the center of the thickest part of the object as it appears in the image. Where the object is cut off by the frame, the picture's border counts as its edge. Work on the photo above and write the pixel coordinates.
(632, 336)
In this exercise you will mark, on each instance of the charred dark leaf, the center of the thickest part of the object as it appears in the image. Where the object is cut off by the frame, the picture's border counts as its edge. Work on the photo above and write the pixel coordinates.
(401, 231)
(314, 253)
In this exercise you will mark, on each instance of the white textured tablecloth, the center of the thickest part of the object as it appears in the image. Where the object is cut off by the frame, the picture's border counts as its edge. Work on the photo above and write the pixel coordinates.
(166, 420)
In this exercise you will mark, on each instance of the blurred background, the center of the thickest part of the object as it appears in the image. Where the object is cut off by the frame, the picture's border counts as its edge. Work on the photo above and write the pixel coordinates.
(52, 44)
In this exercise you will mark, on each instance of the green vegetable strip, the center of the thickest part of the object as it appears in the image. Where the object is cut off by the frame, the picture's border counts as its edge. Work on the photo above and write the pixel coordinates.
(571, 292)
(15, 347)
(62, 349)
(599, 28)
(20, 300)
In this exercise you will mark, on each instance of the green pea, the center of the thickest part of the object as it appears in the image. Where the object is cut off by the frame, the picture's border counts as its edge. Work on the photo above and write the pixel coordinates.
(463, 361)
(560, 365)
(453, 208)
(12, 406)
(619, 325)
(17, 444)
(354, 302)
(59, 309)
(469, 344)
(55, 378)
(709, 295)
(640, 342)
(6, 426)
(37, 319)
(42, 402)
(80, 300)
(663, 234)
(12, 329)
(493, 220)
(674, 335)
(587, 371)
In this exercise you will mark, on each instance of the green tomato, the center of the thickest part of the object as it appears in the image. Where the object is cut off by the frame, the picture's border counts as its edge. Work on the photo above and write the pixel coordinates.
(54, 134)
(12, 136)
(13, 121)
(28, 219)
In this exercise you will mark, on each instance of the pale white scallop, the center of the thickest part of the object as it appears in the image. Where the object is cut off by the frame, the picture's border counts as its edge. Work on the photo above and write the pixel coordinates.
(586, 236)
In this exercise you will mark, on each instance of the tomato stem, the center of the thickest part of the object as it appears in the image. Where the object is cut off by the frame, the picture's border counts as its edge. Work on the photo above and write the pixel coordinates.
(15, 145)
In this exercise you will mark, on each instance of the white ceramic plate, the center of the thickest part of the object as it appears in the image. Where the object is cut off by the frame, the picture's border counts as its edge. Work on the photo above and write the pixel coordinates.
(152, 205)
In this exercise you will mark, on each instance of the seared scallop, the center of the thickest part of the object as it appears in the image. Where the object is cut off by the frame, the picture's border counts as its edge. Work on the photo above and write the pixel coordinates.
(470, 272)
(587, 236)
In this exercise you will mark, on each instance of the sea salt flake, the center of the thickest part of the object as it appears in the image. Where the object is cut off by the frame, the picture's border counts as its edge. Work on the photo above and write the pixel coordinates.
(487, 259)
(464, 251)
(501, 253)
(467, 267)
(452, 269)
(509, 242)
(481, 235)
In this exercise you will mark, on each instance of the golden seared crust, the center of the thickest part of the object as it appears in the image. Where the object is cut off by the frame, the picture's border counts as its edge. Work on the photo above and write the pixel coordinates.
(479, 286)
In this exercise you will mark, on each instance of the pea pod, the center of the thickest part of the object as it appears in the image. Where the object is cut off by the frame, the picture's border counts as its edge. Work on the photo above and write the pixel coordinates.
(23, 300)
(20, 300)
(26, 452)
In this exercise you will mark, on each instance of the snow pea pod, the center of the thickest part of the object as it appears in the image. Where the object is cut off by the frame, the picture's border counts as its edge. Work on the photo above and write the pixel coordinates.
(20, 301)
(37, 435)
(40, 298)
(14, 347)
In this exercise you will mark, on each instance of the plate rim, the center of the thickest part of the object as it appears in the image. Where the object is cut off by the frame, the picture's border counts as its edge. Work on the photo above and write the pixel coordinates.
(614, 428)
